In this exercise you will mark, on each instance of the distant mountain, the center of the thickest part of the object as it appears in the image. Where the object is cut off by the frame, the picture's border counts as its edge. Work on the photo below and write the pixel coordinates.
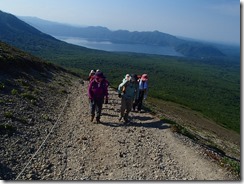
(38, 41)
(97, 33)
(20, 34)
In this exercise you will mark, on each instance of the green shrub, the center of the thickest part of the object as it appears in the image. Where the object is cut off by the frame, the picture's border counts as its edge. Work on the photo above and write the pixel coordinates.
(14, 91)
(7, 127)
(168, 121)
(29, 96)
(232, 164)
(46, 117)
(23, 120)
(2, 86)
(24, 83)
(63, 91)
(8, 114)
(182, 130)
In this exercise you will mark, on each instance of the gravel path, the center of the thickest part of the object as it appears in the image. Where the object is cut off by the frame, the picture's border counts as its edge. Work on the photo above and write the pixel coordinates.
(145, 150)
(46, 133)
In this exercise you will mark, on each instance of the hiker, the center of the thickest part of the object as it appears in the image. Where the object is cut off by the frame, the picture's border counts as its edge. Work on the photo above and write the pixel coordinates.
(126, 78)
(106, 82)
(91, 75)
(127, 91)
(135, 102)
(138, 78)
(98, 94)
(143, 91)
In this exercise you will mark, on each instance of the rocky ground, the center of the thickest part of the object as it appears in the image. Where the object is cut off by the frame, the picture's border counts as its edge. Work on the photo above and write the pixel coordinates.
(52, 138)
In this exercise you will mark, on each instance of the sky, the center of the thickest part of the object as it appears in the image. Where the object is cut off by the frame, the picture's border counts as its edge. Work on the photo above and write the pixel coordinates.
(209, 20)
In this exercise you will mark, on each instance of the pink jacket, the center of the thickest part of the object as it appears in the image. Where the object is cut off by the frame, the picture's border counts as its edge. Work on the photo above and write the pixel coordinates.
(97, 90)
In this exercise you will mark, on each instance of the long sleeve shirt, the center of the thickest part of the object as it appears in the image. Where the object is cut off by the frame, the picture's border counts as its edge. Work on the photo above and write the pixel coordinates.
(143, 86)
(97, 90)
(131, 89)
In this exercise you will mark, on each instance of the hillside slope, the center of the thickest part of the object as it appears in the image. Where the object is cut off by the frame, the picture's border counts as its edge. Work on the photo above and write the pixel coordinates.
(46, 133)
(30, 94)
(20, 34)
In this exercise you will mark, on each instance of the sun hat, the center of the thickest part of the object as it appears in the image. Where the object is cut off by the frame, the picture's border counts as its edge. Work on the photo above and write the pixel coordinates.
(133, 77)
(144, 77)
(92, 72)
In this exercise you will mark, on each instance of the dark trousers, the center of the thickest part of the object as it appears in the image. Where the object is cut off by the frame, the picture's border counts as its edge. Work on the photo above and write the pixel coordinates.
(140, 99)
(96, 107)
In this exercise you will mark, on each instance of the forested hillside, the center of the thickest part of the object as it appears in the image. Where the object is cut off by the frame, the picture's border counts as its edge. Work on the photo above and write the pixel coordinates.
(211, 87)
(208, 85)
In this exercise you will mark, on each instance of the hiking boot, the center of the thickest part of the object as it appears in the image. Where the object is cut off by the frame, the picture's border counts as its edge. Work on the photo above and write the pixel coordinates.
(126, 117)
(120, 118)
(92, 117)
(98, 120)
(126, 120)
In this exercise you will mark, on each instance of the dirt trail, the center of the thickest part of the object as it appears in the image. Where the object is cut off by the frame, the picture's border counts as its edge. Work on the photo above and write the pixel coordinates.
(145, 150)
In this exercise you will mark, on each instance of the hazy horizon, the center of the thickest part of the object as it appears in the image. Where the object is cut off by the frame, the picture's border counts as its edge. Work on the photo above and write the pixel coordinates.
(208, 20)
(178, 36)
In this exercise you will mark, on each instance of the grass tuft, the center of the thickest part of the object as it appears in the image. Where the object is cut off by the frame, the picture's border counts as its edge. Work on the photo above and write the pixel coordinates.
(29, 96)
(8, 114)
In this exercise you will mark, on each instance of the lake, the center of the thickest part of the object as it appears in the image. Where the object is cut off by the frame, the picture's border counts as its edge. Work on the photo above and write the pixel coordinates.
(109, 46)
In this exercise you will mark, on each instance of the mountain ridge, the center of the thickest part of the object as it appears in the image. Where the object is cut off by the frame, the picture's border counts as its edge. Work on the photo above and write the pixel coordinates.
(9, 22)
(99, 33)
(24, 36)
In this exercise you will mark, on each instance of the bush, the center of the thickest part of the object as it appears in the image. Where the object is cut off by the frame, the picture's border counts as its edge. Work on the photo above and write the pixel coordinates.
(2, 86)
(14, 91)
(8, 114)
(29, 96)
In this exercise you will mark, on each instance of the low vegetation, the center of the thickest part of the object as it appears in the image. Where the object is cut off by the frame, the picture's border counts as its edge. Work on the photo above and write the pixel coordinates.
(210, 86)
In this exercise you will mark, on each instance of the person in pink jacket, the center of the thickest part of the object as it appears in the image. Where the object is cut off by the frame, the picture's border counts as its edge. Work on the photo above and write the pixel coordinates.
(97, 92)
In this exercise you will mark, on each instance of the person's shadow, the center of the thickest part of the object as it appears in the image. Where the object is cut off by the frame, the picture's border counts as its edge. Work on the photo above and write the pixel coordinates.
(157, 124)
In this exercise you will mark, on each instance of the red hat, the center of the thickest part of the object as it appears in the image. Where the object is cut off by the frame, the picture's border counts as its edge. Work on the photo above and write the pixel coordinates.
(144, 77)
